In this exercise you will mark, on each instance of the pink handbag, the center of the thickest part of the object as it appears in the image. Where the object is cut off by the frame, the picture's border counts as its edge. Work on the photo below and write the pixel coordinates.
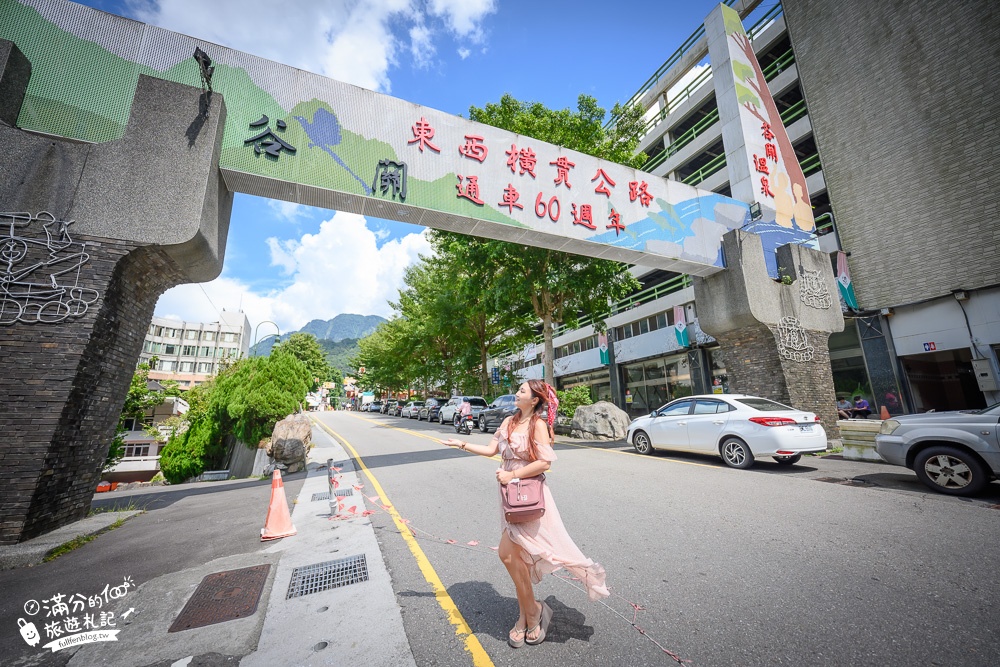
(523, 499)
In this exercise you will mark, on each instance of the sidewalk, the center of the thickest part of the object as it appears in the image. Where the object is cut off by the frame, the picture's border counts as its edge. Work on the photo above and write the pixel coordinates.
(354, 623)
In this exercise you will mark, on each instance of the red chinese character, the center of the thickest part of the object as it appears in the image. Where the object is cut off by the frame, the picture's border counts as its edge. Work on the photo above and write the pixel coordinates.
(765, 187)
(602, 187)
(523, 159)
(760, 164)
(510, 197)
(423, 132)
(563, 165)
(767, 133)
(771, 151)
(638, 191)
(616, 222)
(474, 148)
(471, 191)
(585, 217)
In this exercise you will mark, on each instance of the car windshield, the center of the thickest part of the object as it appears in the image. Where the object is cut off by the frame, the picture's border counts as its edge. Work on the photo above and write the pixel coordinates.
(763, 405)
(418, 404)
(992, 410)
(478, 402)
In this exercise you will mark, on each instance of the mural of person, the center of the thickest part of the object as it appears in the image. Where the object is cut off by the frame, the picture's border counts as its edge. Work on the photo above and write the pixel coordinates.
(784, 207)
(802, 211)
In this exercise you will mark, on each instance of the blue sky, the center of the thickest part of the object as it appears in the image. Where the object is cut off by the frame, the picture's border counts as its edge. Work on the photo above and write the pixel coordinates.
(284, 262)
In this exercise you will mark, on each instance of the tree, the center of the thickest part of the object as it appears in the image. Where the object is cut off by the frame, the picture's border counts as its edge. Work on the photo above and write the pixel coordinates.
(305, 348)
(138, 399)
(560, 286)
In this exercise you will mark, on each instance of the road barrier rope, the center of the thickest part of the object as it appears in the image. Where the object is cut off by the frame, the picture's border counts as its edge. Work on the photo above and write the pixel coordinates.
(345, 513)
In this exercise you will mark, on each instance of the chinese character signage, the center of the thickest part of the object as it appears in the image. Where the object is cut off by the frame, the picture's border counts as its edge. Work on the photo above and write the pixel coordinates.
(764, 167)
(317, 141)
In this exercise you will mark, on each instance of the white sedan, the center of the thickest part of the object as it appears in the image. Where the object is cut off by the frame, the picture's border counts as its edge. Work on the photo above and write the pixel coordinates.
(737, 427)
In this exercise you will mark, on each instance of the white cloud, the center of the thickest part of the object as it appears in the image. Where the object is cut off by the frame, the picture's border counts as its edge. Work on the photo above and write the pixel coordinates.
(287, 210)
(463, 53)
(339, 269)
(348, 40)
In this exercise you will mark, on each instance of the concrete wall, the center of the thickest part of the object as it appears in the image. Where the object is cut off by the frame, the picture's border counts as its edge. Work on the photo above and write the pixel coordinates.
(904, 104)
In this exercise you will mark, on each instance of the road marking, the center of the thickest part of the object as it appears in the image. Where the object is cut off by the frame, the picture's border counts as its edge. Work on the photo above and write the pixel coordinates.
(479, 656)
(409, 432)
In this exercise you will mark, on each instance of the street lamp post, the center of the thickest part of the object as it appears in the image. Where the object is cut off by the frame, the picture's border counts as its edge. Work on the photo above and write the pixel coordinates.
(257, 328)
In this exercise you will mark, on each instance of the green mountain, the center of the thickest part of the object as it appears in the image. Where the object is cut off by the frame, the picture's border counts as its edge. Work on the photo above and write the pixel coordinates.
(338, 337)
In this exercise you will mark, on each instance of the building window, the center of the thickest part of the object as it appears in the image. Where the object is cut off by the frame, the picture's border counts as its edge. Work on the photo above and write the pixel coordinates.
(128, 424)
(167, 366)
(170, 333)
(189, 351)
(208, 335)
(206, 352)
(205, 368)
(170, 349)
(191, 334)
(187, 366)
(136, 450)
(229, 337)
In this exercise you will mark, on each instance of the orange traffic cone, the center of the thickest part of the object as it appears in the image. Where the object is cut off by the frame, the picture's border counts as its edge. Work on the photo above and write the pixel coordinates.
(279, 521)
(884, 414)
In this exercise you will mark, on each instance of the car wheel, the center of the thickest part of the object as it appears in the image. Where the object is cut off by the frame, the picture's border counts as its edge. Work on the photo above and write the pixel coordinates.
(642, 443)
(482, 424)
(787, 460)
(736, 453)
(950, 470)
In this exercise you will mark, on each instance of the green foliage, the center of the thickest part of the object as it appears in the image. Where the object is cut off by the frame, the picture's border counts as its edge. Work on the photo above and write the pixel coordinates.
(244, 401)
(138, 399)
(573, 398)
(305, 348)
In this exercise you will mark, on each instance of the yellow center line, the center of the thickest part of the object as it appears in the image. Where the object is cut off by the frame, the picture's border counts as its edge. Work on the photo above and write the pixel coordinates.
(479, 656)
(408, 431)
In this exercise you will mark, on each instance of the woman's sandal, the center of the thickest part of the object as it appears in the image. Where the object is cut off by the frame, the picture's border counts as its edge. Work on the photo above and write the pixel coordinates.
(543, 626)
(517, 643)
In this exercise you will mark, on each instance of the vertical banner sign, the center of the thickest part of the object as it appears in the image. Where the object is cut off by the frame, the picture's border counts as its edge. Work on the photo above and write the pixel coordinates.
(762, 164)
(680, 327)
(602, 344)
(844, 281)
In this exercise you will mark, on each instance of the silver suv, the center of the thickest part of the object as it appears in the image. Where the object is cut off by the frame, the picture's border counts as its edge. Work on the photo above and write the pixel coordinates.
(957, 453)
(449, 410)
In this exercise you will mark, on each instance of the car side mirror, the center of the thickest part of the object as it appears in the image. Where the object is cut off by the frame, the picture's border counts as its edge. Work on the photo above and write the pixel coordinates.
(654, 414)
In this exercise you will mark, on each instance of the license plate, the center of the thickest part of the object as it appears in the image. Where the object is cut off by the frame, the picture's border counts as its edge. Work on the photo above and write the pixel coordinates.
(806, 429)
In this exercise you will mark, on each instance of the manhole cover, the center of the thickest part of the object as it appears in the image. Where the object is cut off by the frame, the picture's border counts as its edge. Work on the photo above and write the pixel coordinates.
(223, 596)
(331, 574)
(321, 496)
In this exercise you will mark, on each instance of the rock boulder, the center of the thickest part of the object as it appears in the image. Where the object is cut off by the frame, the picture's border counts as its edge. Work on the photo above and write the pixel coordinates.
(600, 421)
(290, 442)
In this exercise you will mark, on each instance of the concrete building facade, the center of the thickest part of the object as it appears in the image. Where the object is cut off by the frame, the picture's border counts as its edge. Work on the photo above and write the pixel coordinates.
(192, 352)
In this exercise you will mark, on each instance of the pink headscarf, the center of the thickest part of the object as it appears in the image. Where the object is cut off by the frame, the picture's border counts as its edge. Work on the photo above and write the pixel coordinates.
(553, 402)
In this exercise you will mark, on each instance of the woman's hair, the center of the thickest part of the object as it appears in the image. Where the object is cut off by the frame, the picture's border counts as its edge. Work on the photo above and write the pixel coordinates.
(546, 396)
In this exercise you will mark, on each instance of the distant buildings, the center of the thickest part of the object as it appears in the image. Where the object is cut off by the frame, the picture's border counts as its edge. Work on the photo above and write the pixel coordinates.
(190, 352)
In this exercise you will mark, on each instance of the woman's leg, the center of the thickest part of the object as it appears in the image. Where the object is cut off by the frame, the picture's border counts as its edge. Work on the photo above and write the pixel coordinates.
(510, 554)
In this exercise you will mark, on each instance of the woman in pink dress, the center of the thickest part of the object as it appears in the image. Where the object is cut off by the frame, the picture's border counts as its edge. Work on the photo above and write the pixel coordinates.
(533, 549)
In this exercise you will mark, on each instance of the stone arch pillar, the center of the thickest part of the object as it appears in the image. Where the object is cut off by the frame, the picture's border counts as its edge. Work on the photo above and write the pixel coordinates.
(129, 219)
(774, 337)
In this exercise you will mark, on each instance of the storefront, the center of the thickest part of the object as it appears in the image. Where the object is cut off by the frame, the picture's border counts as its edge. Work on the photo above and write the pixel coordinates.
(598, 381)
(650, 384)
(943, 380)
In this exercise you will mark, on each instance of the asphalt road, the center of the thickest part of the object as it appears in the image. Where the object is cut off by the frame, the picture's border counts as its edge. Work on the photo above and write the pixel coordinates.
(183, 526)
(768, 566)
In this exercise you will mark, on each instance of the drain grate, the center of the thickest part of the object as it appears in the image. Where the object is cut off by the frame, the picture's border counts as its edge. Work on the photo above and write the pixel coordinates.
(324, 576)
(343, 493)
(223, 596)
(321, 496)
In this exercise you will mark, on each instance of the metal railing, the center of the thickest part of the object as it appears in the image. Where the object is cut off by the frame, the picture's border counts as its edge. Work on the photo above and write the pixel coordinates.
(713, 166)
(683, 140)
(810, 165)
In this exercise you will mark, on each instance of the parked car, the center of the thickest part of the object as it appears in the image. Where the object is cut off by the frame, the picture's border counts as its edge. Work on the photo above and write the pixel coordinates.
(737, 427)
(411, 409)
(957, 453)
(430, 409)
(389, 407)
(449, 411)
(398, 410)
(493, 415)
(374, 406)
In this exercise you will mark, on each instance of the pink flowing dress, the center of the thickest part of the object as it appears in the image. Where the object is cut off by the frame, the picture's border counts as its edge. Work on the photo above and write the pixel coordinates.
(546, 544)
